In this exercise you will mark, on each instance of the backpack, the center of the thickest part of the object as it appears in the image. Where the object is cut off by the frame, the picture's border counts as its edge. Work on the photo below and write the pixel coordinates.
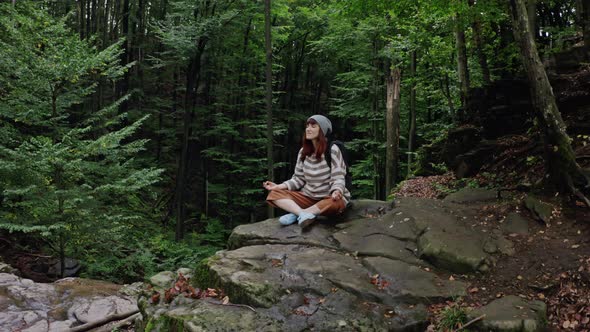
(345, 156)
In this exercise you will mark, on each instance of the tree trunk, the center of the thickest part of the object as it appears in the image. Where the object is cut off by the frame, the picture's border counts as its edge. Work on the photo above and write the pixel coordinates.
(412, 129)
(392, 125)
(586, 19)
(93, 17)
(462, 68)
(88, 32)
(446, 90)
(193, 78)
(480, 45)
(532, 16)
(125, 59)
(81, 20)
(269, 129)
(375, 111)
(563, 173)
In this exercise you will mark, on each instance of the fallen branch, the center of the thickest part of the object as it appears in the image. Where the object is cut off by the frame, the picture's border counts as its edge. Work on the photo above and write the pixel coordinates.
(115, 327)
(471, 322)
(103, 321)
(233, 305)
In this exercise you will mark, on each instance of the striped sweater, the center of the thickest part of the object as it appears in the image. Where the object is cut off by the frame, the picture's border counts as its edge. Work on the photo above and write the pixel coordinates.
(315, 179)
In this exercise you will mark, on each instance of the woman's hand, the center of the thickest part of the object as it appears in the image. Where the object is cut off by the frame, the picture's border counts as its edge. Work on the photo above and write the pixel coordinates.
(336, 195)
(268, 185)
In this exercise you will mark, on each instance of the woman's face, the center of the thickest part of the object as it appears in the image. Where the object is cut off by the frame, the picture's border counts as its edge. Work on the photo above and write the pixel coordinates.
(312, 131)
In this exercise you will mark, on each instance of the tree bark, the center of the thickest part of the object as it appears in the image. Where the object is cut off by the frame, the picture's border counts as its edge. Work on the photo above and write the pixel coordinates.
(583, 19)
(377, 185)
(480, 45)
(125, 58)
(532, 16)
(412, 129)
(462, 68)
(563, 173)
(193, 78)
(268, 99)
(81, 20)
(393, 119)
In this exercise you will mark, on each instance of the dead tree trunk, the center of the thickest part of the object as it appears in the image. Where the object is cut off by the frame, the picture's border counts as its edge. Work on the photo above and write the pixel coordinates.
(392, 125)
(412, 130)
(563, 173)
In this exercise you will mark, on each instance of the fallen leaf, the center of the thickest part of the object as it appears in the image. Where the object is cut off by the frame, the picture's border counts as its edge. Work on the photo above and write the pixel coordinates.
(451, 278)
(566, 324)
(156, 298)
(225, 300)
(474, 290)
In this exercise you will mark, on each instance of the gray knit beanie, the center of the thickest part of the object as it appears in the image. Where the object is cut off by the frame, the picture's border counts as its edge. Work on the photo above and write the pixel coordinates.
(324, 123)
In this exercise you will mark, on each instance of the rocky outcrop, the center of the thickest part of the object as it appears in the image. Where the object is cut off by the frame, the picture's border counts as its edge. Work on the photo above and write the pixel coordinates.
(375, 270)
(35, 307)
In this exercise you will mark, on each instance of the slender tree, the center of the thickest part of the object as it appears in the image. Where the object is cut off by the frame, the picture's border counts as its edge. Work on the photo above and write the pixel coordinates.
(478, 36)
(392, 125)
(268, 97)
(412, 127)
(563, 173)
(462, 68)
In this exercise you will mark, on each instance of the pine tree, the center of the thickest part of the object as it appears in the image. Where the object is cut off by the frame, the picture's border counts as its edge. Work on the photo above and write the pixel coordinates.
(65, 173)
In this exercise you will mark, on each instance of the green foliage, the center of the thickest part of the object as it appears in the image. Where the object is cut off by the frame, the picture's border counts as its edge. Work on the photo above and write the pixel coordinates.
(65, 173)
(452, 318)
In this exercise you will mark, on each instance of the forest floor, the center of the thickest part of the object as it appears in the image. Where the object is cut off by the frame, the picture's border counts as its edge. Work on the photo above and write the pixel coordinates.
(551, 263)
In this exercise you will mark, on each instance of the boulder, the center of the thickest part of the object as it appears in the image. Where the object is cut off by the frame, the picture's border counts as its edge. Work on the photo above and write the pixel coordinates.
(469, 195)
(515, 224)
(511, 314)
(72, 267)
(5, 268)
(539, 209)
(163, 280)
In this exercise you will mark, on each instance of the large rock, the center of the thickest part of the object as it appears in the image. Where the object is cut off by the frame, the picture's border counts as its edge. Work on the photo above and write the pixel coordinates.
(515, 223)
(375, 270)
(164, 279)
(469, 195)
(538, 208)
(5, 268)
(270, 231)
(29, 306)
(512, 314)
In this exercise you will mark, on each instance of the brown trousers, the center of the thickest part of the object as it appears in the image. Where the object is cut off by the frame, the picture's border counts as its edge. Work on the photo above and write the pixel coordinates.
(327, 206)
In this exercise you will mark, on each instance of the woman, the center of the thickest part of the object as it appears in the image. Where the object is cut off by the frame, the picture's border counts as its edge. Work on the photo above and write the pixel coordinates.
(315, 188)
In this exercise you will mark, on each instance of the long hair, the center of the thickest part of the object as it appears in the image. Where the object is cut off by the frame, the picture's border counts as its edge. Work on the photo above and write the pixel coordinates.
(307, 145)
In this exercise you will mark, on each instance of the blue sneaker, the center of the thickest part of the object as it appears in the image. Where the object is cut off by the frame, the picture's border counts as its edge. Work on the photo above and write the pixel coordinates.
(306, 219)
(288, 219)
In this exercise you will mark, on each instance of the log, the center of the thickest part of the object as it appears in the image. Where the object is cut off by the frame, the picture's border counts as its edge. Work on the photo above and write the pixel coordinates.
(103, 321)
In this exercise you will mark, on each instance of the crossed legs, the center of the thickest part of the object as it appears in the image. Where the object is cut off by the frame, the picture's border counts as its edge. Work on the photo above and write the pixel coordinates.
(289, 205)
(296, 203)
